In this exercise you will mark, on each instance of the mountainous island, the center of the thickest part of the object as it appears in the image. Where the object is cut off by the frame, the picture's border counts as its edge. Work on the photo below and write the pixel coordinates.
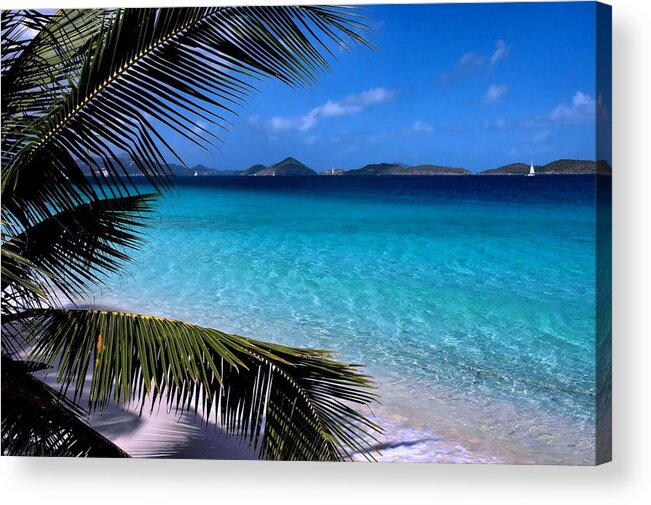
(178, 170)
(288, 166)
(554, 168)
(292, 167)
(400, 169)
(253, 169)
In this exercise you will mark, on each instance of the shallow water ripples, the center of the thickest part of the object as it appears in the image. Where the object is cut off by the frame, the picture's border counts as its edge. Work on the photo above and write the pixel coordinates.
(477, 324)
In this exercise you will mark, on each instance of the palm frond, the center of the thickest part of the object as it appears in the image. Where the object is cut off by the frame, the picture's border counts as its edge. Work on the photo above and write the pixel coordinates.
(39, 421)
(147, 67)
(18, 272)
(36, 76)
(88, 85)
(286, 403)
(78, 247)
(36, 69)
(23, 283)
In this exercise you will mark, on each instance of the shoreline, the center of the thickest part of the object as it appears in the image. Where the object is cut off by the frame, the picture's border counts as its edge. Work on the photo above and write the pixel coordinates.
(439, 429)
(474, 363)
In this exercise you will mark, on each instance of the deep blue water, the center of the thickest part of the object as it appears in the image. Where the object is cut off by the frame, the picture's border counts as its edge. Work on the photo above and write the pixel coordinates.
(470, 299)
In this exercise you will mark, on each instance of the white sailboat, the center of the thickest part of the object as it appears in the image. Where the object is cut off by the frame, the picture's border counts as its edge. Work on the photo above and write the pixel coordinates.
(196, 173)
(532, 172)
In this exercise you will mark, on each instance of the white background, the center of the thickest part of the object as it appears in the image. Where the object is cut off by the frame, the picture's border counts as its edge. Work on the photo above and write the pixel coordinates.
(626, 480)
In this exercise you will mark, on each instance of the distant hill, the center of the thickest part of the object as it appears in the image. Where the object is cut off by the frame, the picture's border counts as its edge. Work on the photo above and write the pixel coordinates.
(289, 166)
(227, 172)
(510, 169)
(253, 169)
(569, 167)
(401, 169)
(203, 170)
(566, 167)
(176, 169)
(378, 169)
(436, 170)
(131, 168)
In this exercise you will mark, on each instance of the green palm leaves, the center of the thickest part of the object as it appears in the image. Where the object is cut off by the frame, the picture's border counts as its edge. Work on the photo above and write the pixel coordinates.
(287, 403)
(39, 421)
(88, 87)
(84, 243)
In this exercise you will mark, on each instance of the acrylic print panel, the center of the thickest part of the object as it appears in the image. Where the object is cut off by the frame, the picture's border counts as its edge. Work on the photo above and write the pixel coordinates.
(308, 233)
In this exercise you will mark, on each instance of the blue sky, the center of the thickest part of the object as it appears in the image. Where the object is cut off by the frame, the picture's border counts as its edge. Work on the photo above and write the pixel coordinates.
(474, 85)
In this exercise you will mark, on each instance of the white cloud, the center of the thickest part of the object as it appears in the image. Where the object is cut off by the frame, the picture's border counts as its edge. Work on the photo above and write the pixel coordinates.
(334, 109)
(501, 50)
(349, 106)
(308, 121)
(471, 59)
(281, 123)
(420, 127)
(581, 110)
(495, 92)
(467, 64)
(371, 97)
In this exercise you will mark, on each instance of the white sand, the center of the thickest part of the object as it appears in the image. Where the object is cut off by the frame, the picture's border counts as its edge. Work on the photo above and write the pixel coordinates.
(163, 434)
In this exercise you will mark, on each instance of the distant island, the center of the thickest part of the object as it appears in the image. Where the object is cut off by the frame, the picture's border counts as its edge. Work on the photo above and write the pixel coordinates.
(400, 169)
(554, 168)
(288, 166)
(292, 167)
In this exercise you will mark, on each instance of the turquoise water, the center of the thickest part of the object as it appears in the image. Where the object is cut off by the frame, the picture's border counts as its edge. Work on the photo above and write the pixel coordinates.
(471, 300)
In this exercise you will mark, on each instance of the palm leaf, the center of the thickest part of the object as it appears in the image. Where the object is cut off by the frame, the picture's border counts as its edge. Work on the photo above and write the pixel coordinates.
(39, 421)
(89, 85)
(22, 283)
(18, 272)
(35, 69)
(77, 247)
(286, 403)
(36, 75)
(147, 67)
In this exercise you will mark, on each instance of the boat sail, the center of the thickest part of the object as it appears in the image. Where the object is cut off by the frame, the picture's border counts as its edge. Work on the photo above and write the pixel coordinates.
(532, 172)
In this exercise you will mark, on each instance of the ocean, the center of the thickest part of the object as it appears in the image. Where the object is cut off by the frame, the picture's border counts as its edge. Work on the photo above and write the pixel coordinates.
(471, 300)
